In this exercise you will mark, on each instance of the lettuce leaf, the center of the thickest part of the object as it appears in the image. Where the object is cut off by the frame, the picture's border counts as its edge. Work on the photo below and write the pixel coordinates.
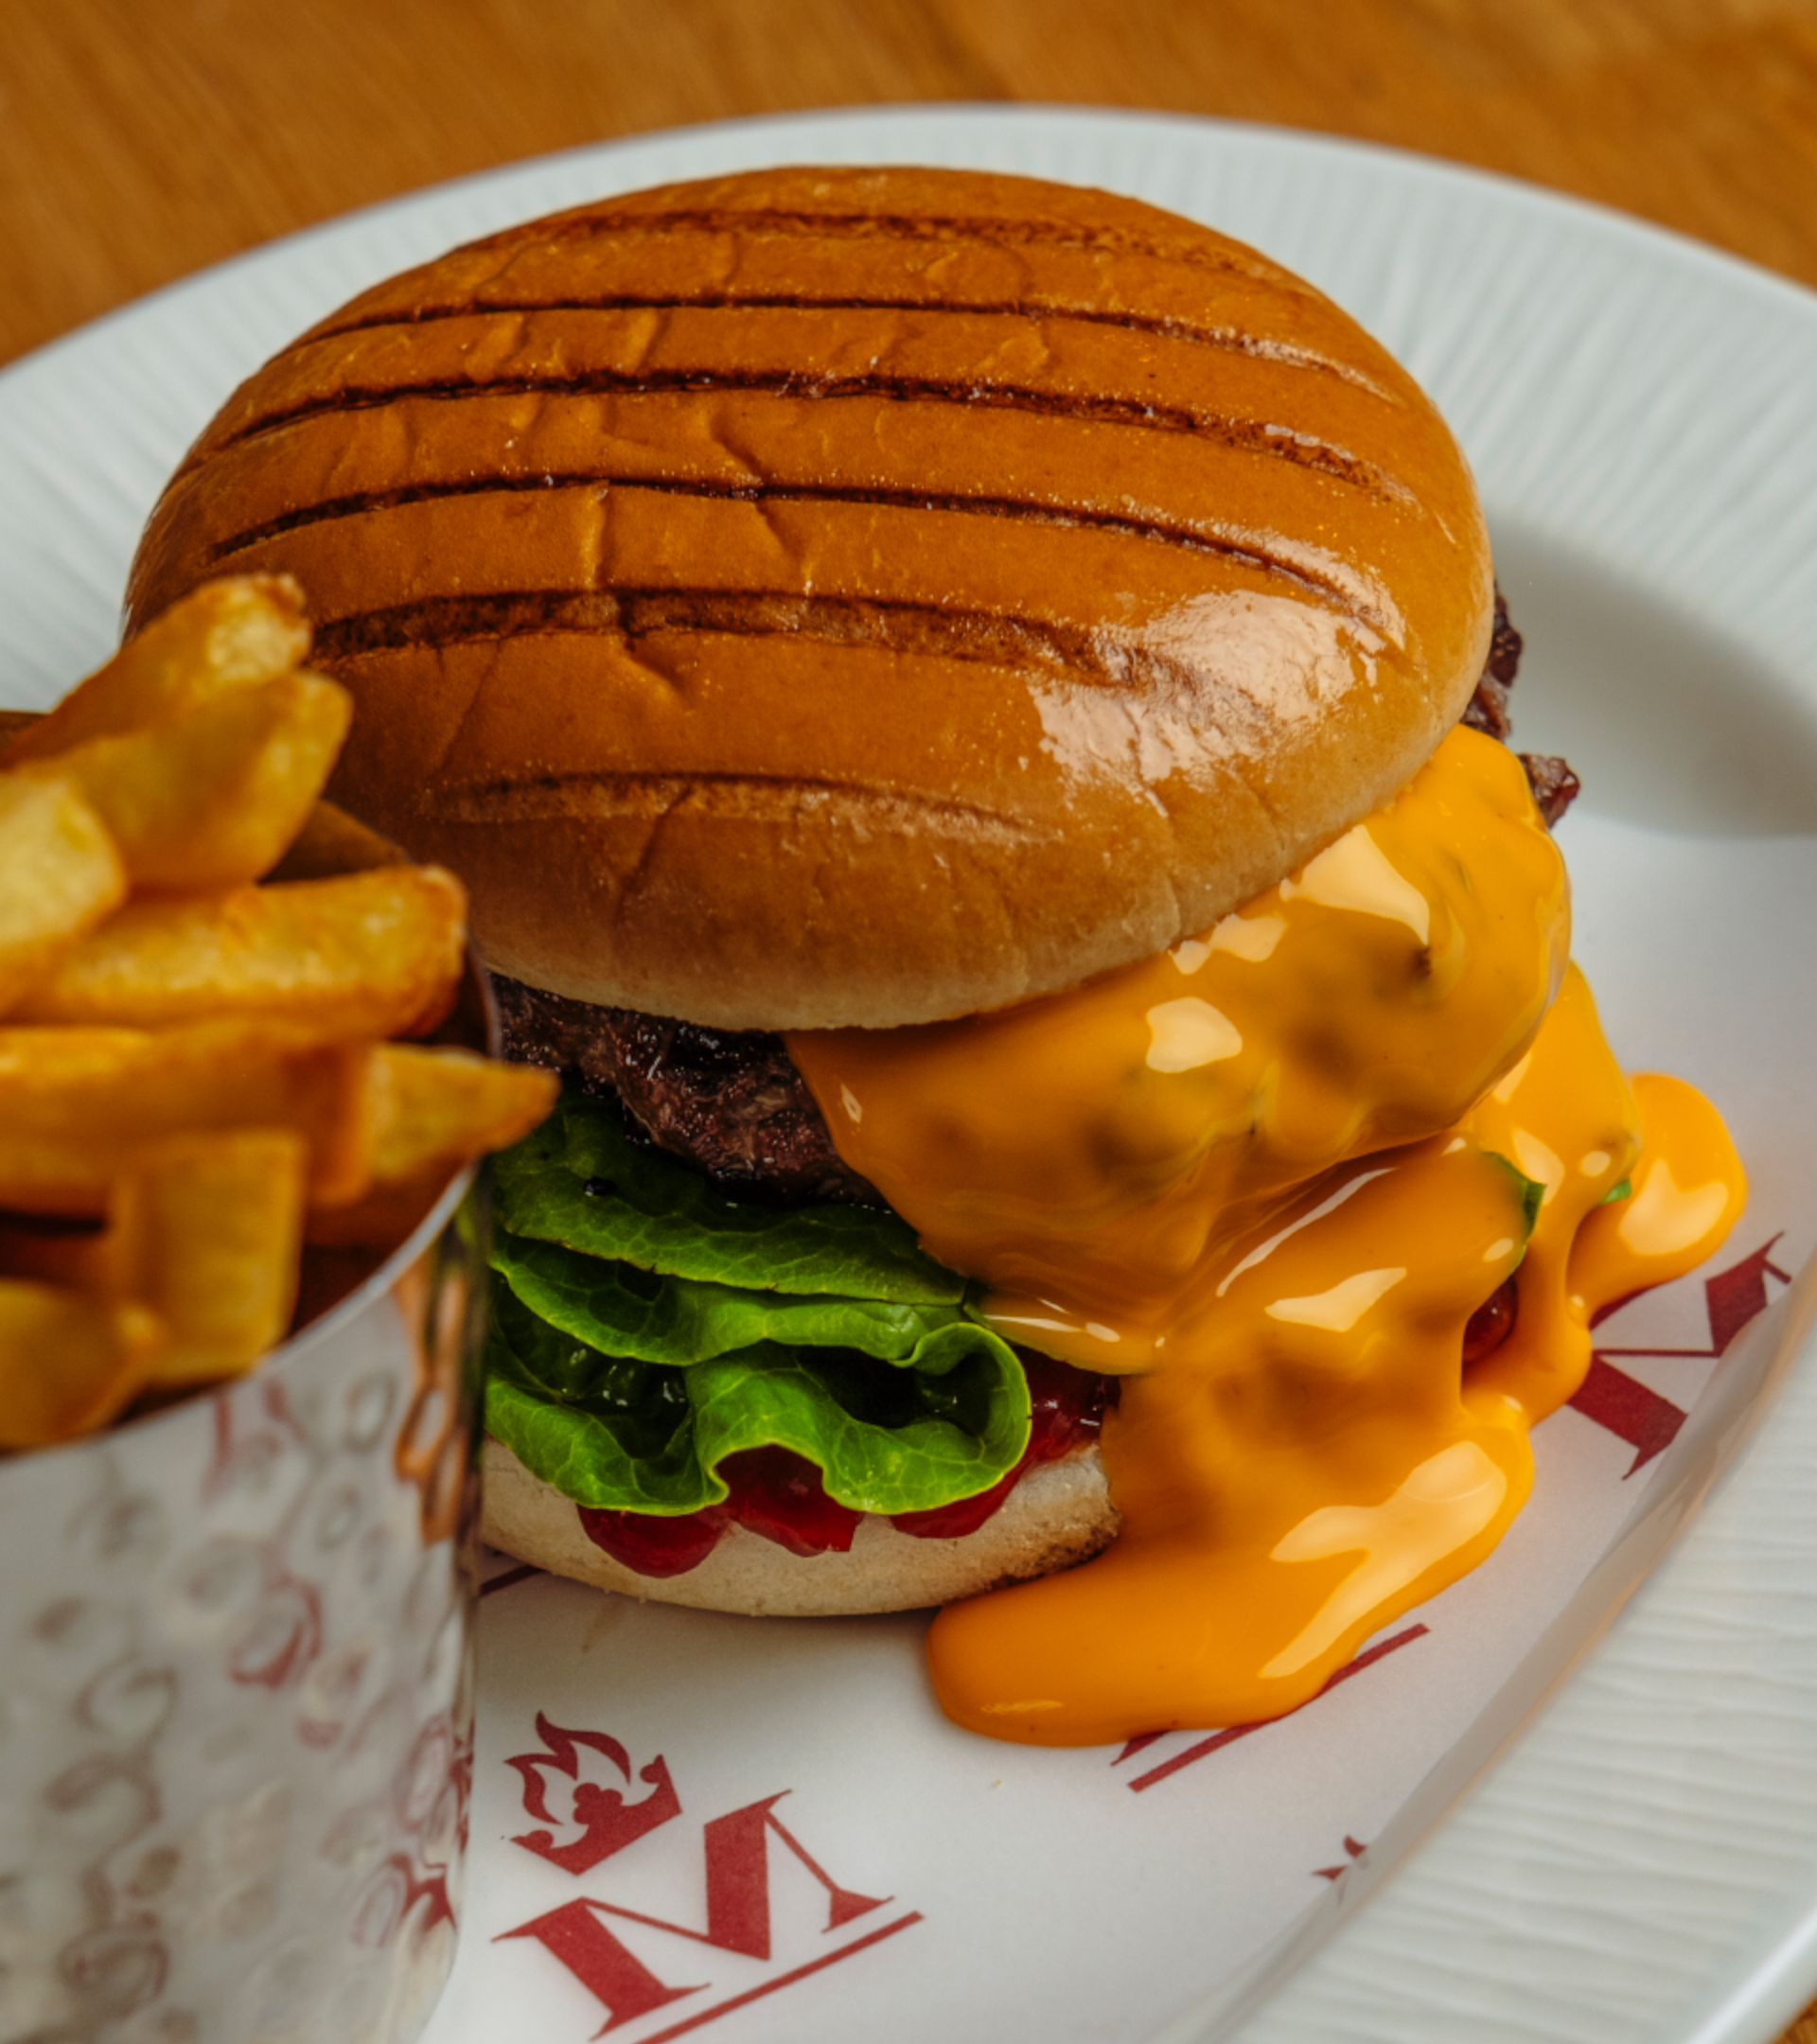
(645, 1326)
(579, 1180)
(1532, 1192)
(628, 1434)
(623, 1311)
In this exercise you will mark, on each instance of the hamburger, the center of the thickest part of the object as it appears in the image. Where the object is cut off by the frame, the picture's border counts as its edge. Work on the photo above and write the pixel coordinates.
(971, 713)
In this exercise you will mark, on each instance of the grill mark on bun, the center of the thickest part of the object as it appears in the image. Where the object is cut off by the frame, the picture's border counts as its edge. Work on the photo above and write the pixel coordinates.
(1275, 443)
(1191, 726)
(1224, 340)
(927, 630)
(930, 629)
(654, 798)
(1249, 551)
(445, 621)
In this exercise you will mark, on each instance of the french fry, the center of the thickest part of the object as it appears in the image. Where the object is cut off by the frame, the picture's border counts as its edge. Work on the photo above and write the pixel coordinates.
(79, 1106)
(432, 1107)
(205, 1230)
(68, 1363)
(190, 1075)
(229, 634)
(60, 876)
(431, 1111)
(213, 798)
(371, 953)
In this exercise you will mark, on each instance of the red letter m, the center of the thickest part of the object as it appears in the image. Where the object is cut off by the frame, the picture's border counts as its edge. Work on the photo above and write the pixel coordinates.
(737, 1858)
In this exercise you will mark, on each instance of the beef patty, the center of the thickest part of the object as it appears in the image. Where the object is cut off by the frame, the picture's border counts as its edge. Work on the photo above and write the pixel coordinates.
(731, 1105)
(1555, 786)
(728, 1101)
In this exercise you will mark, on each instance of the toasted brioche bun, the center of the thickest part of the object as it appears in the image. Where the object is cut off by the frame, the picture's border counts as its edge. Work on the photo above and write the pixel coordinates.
(852, 596)
(822, 597)
(1059, 1513)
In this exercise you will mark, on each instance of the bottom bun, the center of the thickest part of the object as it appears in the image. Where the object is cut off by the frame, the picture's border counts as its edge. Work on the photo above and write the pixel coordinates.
(1059, 1514)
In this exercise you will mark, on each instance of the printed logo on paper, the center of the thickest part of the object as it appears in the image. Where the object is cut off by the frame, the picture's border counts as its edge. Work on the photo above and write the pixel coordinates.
(658, 1976)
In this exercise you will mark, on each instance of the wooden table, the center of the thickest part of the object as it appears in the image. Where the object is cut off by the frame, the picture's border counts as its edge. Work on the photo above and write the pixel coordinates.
(140, 139)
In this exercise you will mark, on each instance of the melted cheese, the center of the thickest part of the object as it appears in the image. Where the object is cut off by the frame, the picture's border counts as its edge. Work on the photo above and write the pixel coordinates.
(1269, 1176)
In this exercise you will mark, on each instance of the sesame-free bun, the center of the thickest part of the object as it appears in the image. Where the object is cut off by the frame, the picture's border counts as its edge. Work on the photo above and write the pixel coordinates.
(830, 596)
(1058, 1514)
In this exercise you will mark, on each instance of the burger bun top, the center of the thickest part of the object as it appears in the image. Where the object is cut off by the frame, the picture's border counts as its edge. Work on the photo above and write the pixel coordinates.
(830, 596)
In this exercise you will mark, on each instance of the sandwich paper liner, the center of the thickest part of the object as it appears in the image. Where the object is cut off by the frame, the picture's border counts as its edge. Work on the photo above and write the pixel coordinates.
(761, 1830)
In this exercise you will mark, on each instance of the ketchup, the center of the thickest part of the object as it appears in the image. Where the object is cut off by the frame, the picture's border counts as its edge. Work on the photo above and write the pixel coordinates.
(774, 1492)
(779, 1494)
(1490, 1325)
(655, 1546)
(1067, 1408)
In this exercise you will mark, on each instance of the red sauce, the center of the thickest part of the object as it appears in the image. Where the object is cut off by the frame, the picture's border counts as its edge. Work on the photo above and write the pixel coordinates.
(1490, 1325)
(1068, 1407)
(655, 1546)
(779, 1494)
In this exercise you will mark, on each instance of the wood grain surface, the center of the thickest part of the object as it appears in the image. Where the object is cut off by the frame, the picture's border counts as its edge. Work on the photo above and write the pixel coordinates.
(140, 139)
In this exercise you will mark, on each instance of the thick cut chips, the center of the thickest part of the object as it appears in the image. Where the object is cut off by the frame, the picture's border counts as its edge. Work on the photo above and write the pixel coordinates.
(67, 1363)
(192, 1066)
(431, 1110)
(213, 798)
(430, 1106)
(371, 953)
(205, 1231)
(60, 876)
(229, 634)
(79, 1106)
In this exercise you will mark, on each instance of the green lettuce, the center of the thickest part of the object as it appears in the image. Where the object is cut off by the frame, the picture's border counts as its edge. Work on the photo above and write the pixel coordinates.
(645, 1326)
(1532, 1192)
(579, 1180)
(633, 1435)
(623, 1311)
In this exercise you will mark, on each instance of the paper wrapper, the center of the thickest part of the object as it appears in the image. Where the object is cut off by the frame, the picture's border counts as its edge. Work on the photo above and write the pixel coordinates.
(765, 1828)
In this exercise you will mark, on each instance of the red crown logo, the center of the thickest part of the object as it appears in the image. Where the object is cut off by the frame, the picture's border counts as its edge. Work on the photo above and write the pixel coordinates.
(608, 1824)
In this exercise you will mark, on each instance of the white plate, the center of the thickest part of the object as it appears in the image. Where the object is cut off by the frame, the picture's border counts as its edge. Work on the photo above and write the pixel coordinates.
(1642, 415)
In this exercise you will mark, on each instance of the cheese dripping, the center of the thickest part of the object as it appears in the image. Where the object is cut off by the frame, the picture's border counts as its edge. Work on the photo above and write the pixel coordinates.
(1269, 1175)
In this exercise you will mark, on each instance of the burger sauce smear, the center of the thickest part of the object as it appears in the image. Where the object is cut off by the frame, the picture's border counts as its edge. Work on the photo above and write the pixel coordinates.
(1268, 1177)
